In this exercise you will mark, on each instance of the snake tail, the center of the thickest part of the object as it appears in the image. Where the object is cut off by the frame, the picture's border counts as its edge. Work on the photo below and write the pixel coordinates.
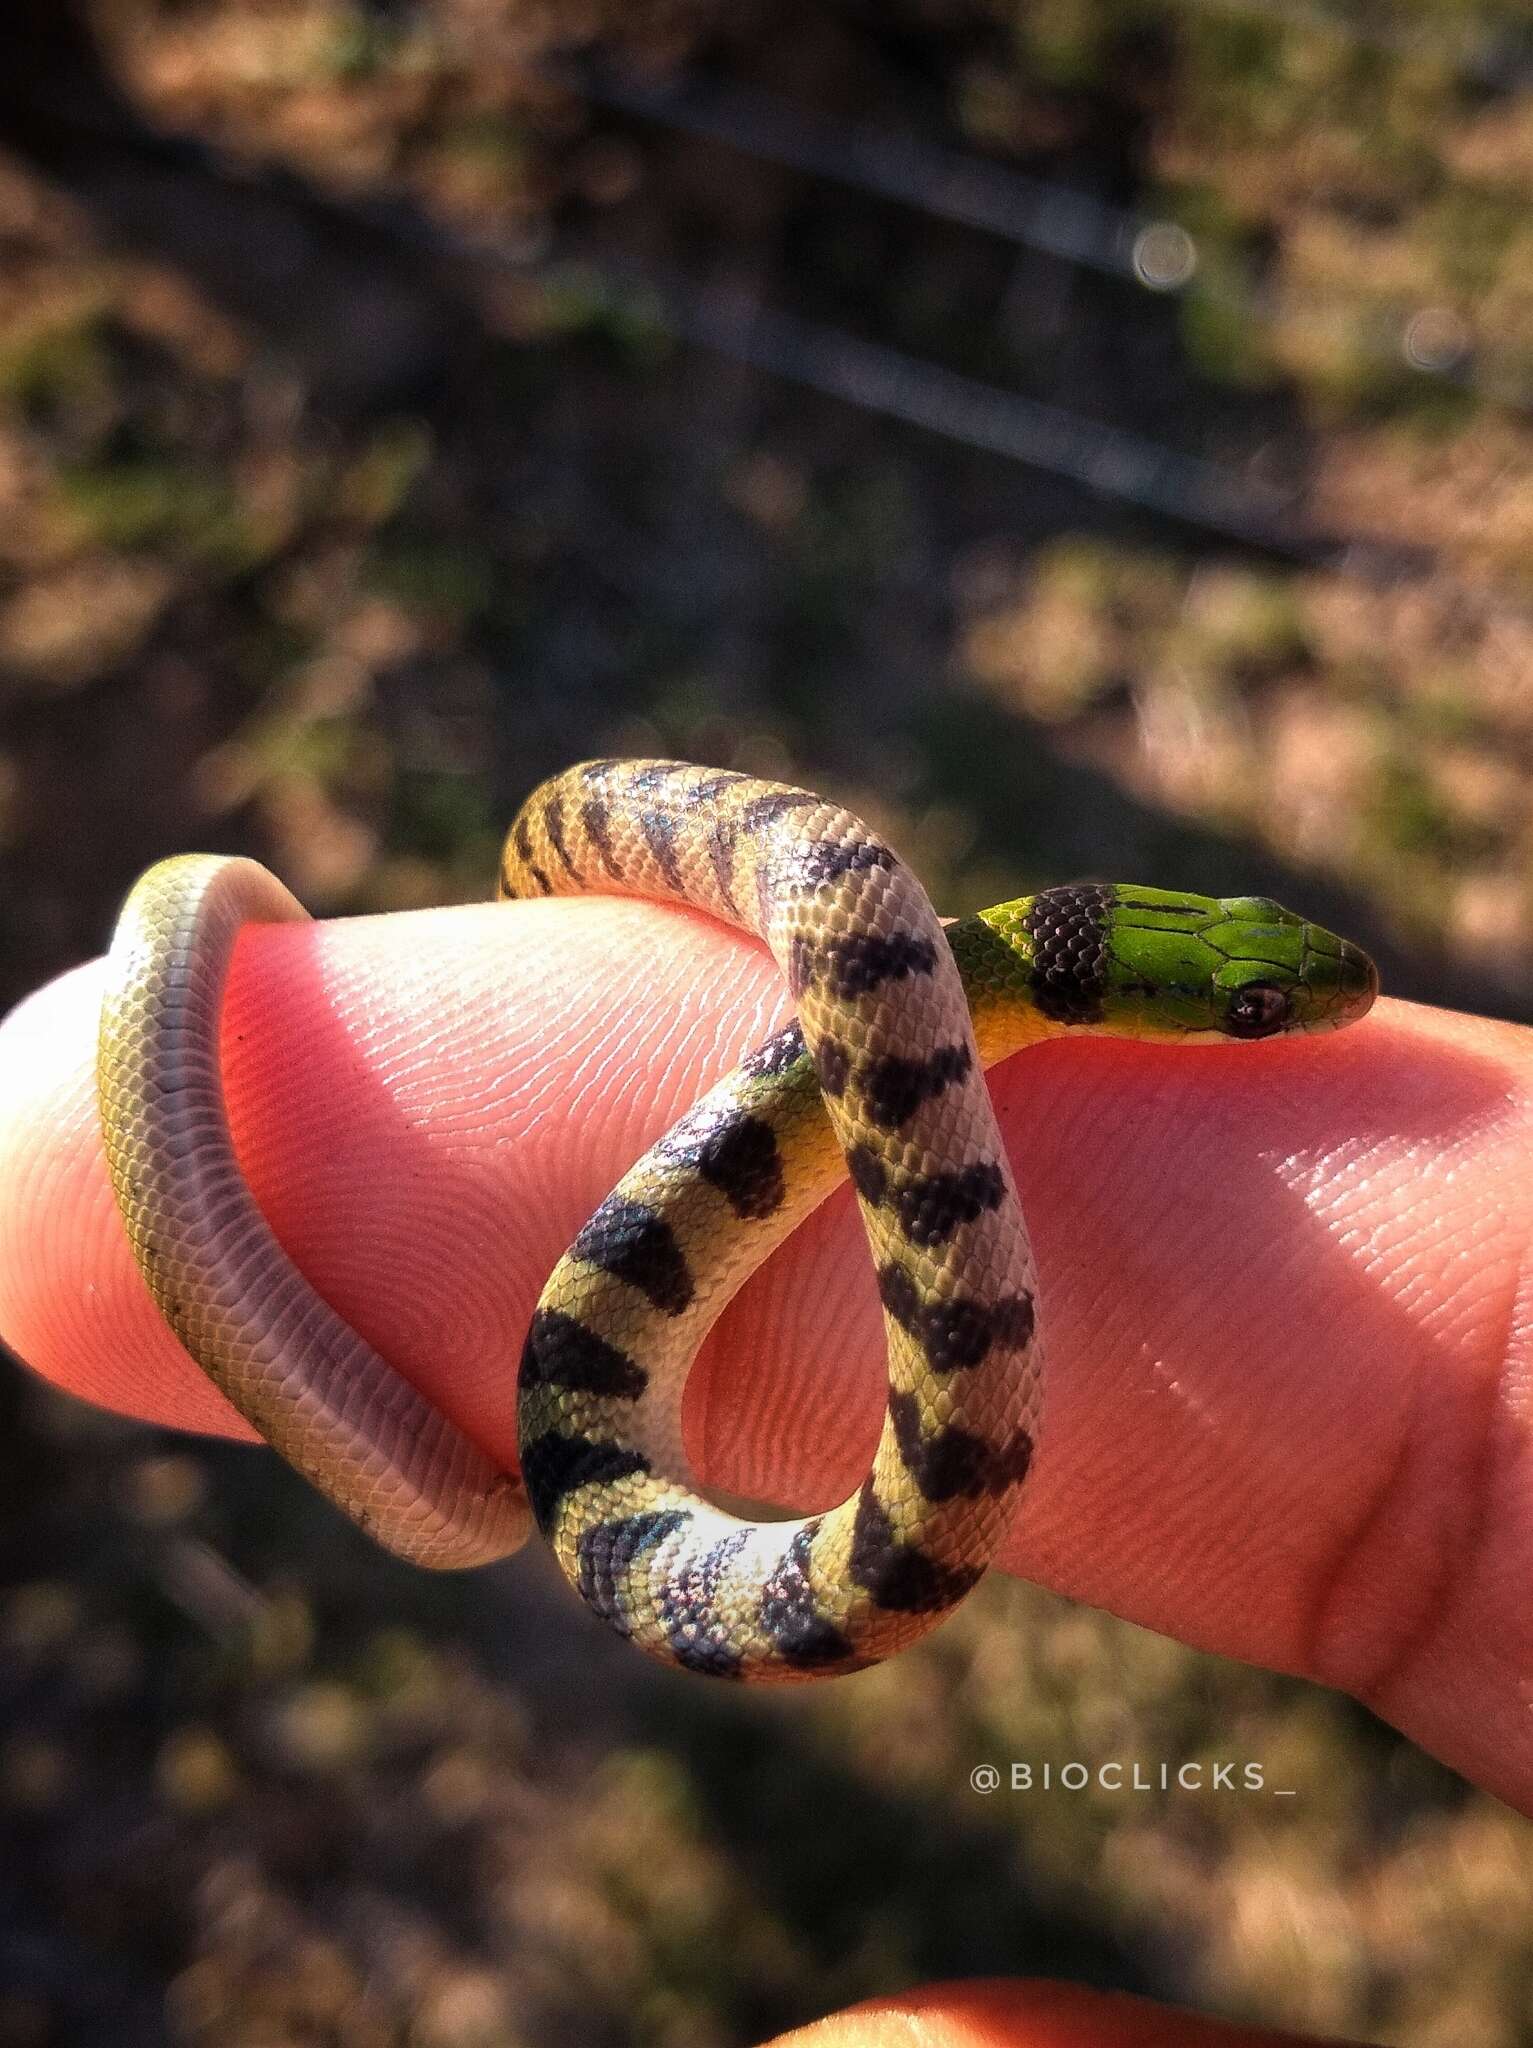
(314, 1388)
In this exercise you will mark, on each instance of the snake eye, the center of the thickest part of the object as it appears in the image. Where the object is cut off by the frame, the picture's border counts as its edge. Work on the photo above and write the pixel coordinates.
(1257, 1010)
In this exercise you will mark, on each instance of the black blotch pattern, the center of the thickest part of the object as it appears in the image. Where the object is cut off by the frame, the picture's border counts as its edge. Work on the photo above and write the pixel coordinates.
(605, 1551)
(561, 1352)
(696, 1633)
(789, 1616)
(712, 1657)
(554, 1465)
(741, 1160)
(955, 1334)
(953, 1462)
(833, 1063)
(654, 773)
(659, 829)
(932, 1206)
(828, 859)
(735, 1153)
(1012, 1321)
(1068, 930)
(897, 1577)
(553, 825)
(898, 1293)
(721, 856)
(776, 1054)
(766, 810)
(854, 964)
(594, 816)
(868, 1176)
(633, 1243)
(523, 842)
(893, 1089)
(715, 786)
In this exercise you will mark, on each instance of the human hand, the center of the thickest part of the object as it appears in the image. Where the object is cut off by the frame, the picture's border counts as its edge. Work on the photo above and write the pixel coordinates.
(1282, 1289)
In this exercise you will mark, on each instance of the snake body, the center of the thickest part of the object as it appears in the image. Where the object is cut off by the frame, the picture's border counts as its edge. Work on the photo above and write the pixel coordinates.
(897, 1017)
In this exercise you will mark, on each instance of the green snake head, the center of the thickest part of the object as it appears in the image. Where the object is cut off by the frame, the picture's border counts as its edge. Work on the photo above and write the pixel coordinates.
(1133, 962)
(1209, 967)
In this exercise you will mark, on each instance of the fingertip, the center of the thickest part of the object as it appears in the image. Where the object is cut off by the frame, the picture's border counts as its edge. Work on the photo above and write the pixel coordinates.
(426, 1106)
(71, 1302)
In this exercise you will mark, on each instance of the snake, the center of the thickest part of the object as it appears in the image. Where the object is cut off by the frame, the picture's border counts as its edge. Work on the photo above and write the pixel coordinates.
(880, 1078)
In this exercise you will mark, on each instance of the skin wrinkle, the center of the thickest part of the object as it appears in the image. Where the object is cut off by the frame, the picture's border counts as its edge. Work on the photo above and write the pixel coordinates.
(604, 1077)
(1519, 1377)
(848, 1428)
(1227, 1645)
(1173, 1385)
(1460, 1559)
(1235, 1254)
(421, 1231)
(1466, 1509)
(336, 999)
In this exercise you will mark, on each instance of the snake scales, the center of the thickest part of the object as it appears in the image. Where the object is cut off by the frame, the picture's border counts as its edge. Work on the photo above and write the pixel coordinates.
(897, 1018)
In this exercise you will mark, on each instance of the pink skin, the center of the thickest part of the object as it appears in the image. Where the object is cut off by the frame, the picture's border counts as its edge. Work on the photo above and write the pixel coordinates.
(1285, 1287)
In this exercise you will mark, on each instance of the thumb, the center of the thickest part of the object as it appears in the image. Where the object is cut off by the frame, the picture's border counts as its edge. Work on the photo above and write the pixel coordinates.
(1282, 1288)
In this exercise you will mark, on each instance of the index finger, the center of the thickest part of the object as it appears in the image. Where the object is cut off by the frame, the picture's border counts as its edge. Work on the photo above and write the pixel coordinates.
(1281, 1287)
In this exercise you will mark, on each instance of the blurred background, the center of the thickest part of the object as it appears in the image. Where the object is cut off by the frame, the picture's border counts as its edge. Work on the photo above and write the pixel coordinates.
(1094, 437)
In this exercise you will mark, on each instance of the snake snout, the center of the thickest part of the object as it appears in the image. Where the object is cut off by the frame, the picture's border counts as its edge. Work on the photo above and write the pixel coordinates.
(1357, 981)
